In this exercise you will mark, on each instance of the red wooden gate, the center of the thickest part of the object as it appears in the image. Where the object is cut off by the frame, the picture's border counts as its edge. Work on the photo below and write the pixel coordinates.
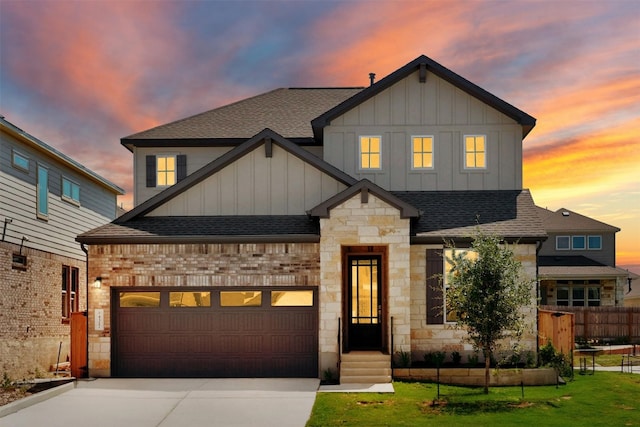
(79, 368)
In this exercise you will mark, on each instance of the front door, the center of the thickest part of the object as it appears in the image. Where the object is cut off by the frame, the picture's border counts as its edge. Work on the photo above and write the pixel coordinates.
(364, 302)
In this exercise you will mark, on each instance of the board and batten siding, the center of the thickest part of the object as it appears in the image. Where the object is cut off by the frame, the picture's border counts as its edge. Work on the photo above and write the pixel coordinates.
(256, 185)
(437, 108)
(65, 220)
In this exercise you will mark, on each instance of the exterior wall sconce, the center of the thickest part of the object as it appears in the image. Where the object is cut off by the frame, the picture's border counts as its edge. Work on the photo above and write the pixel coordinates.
(98, 283)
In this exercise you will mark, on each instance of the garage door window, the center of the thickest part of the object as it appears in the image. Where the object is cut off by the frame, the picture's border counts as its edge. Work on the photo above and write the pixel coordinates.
(240, 298)
(190, 299)
(139, 299)
(291, 298)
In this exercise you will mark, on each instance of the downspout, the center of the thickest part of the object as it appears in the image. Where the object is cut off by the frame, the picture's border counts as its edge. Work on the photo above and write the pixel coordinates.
(86, 312)
(538, 297)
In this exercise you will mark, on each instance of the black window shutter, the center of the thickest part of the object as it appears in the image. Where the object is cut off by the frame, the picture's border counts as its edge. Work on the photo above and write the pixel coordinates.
(435, 298)
(181, 161)
(151, 171)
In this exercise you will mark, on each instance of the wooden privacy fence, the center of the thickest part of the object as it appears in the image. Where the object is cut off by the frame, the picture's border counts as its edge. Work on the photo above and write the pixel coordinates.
(556, 326)
(607, 324)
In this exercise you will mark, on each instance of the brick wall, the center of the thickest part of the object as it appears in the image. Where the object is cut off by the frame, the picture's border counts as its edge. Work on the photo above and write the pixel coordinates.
(189, 265)
(31, 326)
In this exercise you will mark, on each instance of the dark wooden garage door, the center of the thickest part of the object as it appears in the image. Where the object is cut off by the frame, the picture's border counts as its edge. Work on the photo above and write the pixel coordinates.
(215, 333)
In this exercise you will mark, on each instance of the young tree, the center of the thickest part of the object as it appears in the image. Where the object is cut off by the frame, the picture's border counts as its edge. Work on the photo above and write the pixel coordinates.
(487, 293)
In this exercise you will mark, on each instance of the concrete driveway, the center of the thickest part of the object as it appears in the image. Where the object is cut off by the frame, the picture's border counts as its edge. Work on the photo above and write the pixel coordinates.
(111, 402)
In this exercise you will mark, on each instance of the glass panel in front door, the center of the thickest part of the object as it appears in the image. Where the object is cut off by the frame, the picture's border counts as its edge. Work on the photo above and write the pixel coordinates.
(364, 291)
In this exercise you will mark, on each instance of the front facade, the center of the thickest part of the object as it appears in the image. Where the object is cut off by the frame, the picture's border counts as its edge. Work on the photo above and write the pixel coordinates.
(46, 200)
(288, 232)
(577, 263)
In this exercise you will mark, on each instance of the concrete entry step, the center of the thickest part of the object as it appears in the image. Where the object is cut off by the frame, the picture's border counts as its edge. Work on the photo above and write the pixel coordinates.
(365, 367)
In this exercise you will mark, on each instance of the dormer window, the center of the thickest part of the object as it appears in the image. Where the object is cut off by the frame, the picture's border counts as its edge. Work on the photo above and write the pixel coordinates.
(475, 152)
(165, 170)
(370, 152)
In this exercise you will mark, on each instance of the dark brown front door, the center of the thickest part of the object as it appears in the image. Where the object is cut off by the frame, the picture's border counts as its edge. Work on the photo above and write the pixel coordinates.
(365, 302)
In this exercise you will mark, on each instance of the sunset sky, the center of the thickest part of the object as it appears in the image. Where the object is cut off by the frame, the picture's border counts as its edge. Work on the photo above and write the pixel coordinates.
(80, 75)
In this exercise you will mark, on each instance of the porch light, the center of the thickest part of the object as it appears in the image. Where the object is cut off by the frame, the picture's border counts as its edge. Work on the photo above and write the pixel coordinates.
(97, 284)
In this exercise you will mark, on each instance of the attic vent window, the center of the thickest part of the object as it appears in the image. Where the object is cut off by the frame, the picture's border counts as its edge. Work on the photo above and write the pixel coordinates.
(565, 213)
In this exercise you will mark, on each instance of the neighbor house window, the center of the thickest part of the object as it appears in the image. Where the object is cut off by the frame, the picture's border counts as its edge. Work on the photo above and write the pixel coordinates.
(42, 193)
(595, 242)
(166, 170)
(70, 191)
(578, 293)
(578, 242)
(475, 152)
(20, 161)
(450, 315)
(370, 154)
(422, 147)
(70, 282)
(563, 243)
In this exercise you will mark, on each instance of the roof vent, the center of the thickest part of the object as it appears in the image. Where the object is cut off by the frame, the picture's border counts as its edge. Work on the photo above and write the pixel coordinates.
(565, 213)
(372, 78)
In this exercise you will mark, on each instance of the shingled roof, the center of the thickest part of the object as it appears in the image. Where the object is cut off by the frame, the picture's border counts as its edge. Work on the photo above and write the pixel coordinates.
(456, 215)
(287, 111)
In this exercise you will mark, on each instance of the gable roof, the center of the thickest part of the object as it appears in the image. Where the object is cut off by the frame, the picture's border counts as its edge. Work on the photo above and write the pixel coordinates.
(51, 152)
(364, 187)
(423, 63)
(510, 214)
(288, 111)
(564, 220)
(266, 136)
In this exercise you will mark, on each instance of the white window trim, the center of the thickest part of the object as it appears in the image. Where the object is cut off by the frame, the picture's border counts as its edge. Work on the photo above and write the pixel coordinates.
(15, 152)
(589, 248)
(585, 242)
(175, 169)
(433, 153)
(67, 198)
(40, 215)
(360, 168)
(563, 249)
(464, 153)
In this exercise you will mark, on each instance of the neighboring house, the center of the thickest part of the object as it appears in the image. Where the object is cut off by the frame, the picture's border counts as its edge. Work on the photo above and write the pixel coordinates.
(577, 263)
(300, 232)
(46, 200)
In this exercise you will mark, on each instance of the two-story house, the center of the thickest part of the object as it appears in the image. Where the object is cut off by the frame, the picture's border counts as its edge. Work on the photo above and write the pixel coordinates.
(46, 200)
(302, 231)
(577, 264)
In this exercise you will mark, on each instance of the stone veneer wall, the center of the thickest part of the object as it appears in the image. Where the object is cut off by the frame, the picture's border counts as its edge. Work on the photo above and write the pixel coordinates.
(446, 337)
(353, 223)
(31, 325)
(189, 265)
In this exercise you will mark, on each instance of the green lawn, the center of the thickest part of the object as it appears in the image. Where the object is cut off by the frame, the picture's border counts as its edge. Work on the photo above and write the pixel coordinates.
(603, 399)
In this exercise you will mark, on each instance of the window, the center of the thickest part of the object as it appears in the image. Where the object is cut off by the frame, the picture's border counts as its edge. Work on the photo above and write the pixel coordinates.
(451, 316)
(70, 191)
(42, 190)
(578, 293)
(70, 279)
(189, 299)
(563, 243)
(20, 161)
(422, 152)
(166, 170)
(291, 298)
(240, 298)
(475, 153)
(578, 242)
(139, 299)
(595, 242)
(370, 152)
